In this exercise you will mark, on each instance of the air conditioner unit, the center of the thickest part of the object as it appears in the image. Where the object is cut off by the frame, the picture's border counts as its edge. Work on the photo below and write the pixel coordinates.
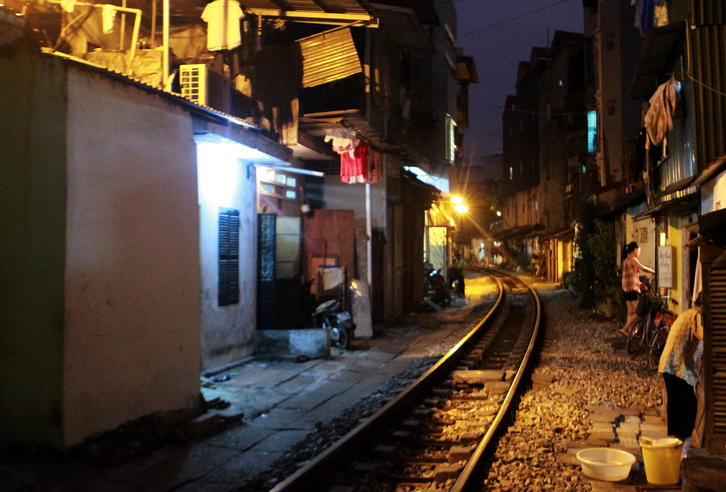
(203, 86)
(193, 81)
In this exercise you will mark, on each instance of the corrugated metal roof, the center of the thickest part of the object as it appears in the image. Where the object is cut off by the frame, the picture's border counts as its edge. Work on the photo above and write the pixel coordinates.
(328, 56)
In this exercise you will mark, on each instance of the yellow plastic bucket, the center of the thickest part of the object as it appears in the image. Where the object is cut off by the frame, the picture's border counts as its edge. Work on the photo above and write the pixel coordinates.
(662, 459)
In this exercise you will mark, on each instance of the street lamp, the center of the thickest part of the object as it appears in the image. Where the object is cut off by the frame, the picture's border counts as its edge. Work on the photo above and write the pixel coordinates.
(459, 205)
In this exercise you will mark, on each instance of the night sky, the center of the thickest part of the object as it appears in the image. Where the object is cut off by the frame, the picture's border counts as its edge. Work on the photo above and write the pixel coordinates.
(499, 34)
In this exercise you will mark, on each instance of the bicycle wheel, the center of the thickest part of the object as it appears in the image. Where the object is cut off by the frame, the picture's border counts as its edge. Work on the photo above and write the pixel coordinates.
(657, 345)
(636, 337)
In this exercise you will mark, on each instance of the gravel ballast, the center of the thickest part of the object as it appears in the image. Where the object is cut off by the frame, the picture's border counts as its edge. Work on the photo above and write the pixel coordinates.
(583, 384)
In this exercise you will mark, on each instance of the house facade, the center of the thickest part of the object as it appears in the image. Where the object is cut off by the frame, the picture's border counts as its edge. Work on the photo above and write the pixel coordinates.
(543, 176)
(112, 252)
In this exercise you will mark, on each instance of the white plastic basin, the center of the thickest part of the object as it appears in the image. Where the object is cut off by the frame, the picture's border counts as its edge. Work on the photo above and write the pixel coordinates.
(607, 464)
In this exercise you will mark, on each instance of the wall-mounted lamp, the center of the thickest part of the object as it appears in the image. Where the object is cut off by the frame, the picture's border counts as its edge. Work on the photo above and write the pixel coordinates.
(304, 205)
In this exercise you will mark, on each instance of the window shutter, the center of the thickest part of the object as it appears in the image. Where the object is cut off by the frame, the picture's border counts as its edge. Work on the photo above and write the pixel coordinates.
(714, 294)
(228, 257)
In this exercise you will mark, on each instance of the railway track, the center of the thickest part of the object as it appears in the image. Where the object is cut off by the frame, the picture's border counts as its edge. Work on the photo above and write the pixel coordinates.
(436, 433)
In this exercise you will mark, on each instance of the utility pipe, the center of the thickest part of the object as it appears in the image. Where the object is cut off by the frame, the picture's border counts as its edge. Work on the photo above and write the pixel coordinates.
(369, 225)
(153, 24)
(122, 42)
(165, 53)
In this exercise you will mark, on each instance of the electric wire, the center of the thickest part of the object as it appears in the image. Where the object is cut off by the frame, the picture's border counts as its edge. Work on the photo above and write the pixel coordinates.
(507, 21)
(705, 86)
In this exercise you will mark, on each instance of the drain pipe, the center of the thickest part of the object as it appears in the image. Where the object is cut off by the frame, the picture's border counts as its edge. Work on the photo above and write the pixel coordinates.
(369, 226)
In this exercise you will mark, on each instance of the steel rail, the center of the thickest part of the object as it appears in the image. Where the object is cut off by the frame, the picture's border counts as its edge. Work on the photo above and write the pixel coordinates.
(308, 477)
(469, 473)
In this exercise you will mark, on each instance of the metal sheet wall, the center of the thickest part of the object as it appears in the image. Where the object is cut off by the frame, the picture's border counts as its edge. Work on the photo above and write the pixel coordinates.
(708, 70)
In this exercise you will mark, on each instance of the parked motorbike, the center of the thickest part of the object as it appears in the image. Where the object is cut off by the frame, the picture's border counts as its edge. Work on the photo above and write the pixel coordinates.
(435, 286)
(331, 316)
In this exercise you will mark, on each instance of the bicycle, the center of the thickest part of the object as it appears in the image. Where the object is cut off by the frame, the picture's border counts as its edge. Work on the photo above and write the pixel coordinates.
(663, 321)
(652, 329)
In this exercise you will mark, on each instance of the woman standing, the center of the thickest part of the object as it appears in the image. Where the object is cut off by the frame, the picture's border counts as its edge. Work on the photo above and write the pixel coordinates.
(631, 284)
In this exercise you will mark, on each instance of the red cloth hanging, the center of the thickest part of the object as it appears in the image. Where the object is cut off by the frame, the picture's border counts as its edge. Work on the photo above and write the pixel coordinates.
(354, 164)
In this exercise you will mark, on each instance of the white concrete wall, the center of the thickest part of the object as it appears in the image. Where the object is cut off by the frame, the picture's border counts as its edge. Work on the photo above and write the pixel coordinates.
(132, 262)
(225, 182)
(713, 194)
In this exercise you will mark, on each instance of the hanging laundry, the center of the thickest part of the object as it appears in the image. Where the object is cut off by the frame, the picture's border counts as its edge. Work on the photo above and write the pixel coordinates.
(223, 24)
(342, 140)
(645, 14)
(664, 106)
(354, 164)
(108, 14)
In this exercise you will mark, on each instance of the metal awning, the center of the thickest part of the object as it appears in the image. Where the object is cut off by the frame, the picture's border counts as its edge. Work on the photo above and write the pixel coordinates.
(327, 11)
(407, 31)
(678, 185)
(427, 193)
(564, 234)
(622, 202)
(318, 124)
(677, 206)
(519, 232)
(328, 56)
(655, 59)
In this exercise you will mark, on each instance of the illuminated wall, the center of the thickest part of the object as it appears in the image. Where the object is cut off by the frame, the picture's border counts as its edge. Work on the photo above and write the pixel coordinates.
(227, 181)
